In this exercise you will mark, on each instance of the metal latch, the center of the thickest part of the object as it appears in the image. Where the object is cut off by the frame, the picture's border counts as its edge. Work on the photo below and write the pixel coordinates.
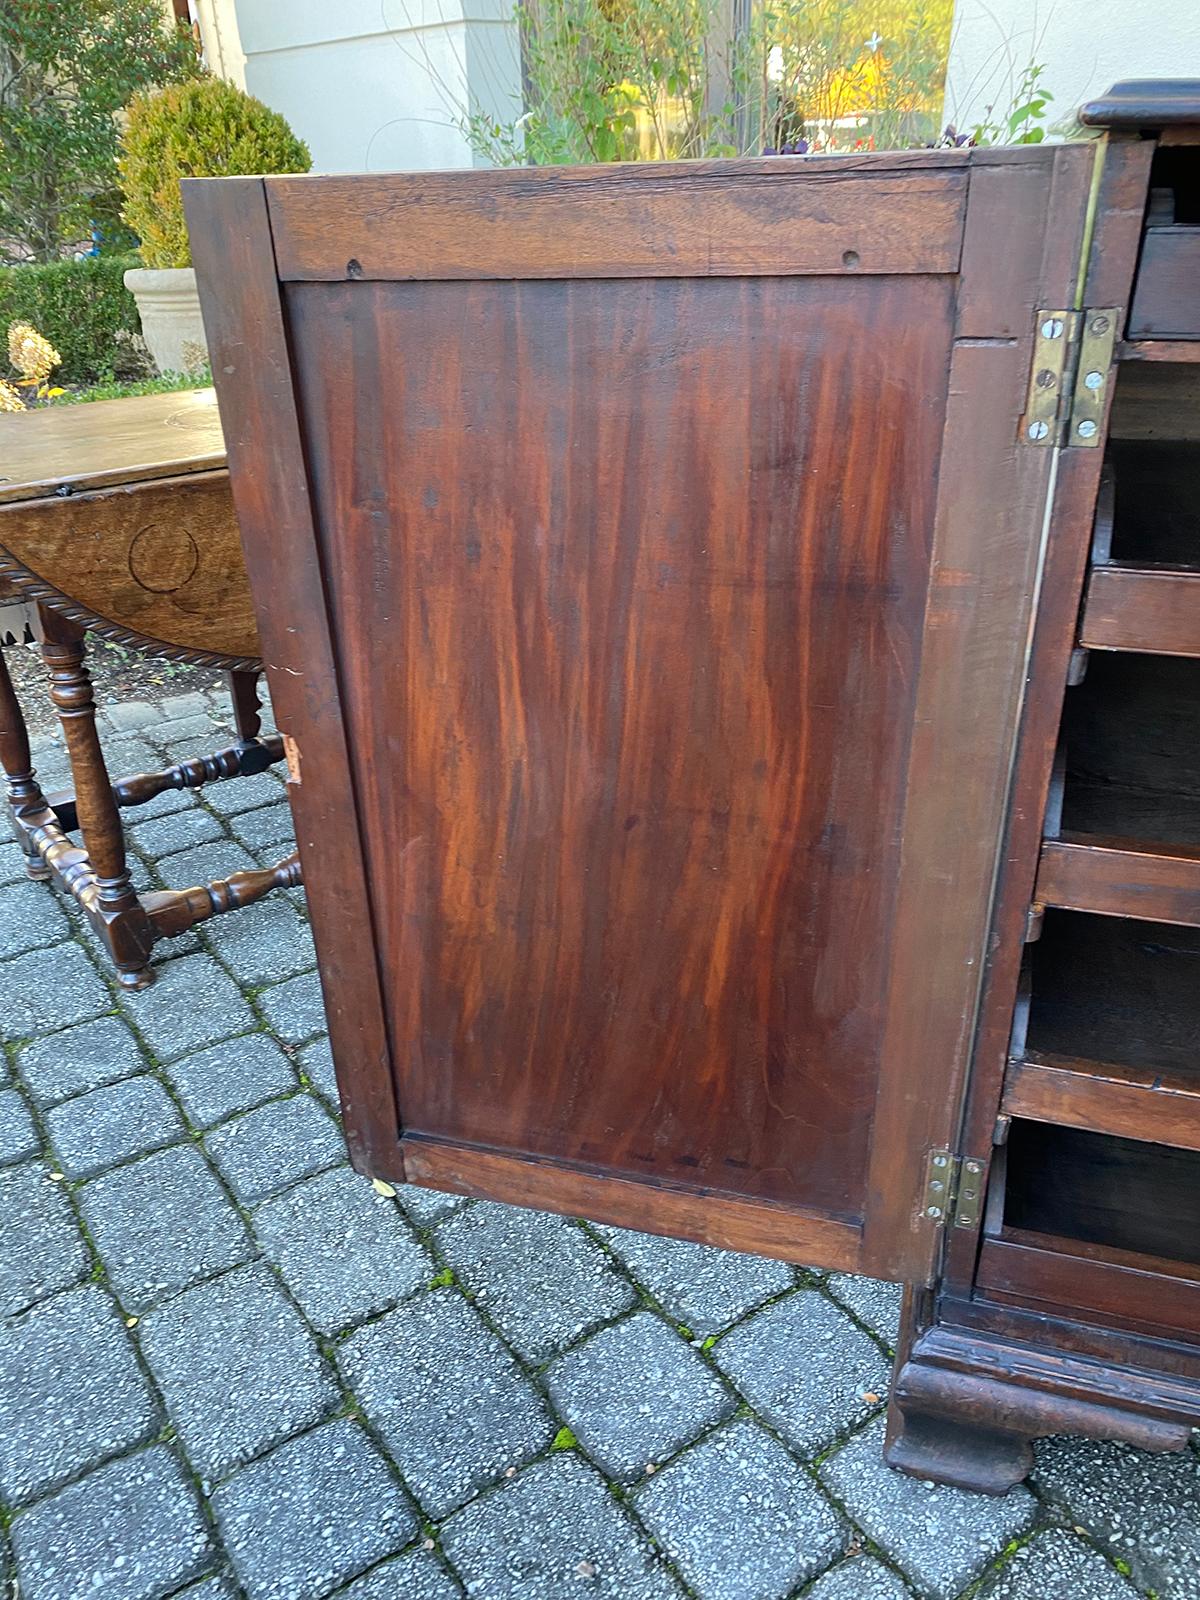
(953, 1188)
(1069, 376)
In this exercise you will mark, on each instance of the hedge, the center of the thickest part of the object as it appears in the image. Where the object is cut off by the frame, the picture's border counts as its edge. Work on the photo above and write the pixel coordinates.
(80, 306)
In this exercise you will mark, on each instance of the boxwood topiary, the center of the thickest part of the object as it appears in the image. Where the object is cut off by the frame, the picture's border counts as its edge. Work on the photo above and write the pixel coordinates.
(205, 129)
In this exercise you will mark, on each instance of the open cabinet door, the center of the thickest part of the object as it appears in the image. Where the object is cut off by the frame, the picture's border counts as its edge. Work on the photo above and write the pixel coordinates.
(644, 559)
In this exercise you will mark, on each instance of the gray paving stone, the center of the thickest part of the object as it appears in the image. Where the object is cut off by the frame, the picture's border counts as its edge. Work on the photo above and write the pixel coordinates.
(46, 1251)
(72, 1392)
(314, 1513)
(263, 943)
(84, 1057)
(315, 1061)
(98, 1129)
(1144, 1508)
(234, 795)
(31, 1003)
(178, 830)
(12, 863)
(192, 704)
(191, 1003)
(238, 1369)
(30, 918)
(50, 760)
(129, 715)
(1057, 1566)
(161, 1224)
(541, 1280)
(553, 1532)
(128, 754)
(874, 1303)
(207, 1589)
(940, 1537)
(739, 1518)
(416, 1576)
(861, 1578)
(265, 1150)
(203, 863)
(5, 1069)
(342, 1249)
(18, 1137)
(704, 1288)
(635, 1393)
(425, 1206)
(449, 1401)
(166, 804)
(267, 825)
(294, 1010)
(813, 1399)
(131, 1531)
(198, 734)
(233, 1076)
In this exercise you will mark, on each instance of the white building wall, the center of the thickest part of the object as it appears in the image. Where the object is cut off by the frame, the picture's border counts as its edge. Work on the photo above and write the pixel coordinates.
(373, 85)
(1084, 45)
(217, 21)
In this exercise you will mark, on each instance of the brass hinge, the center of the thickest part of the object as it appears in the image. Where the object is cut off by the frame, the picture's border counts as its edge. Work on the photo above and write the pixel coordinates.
(1069, 377)
(953, 1189)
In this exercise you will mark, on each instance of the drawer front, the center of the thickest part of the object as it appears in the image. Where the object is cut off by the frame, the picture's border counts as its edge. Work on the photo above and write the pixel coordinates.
(1166, 295)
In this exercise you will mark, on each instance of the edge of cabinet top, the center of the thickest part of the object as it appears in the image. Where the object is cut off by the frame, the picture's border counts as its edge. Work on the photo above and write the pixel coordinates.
(108, 442)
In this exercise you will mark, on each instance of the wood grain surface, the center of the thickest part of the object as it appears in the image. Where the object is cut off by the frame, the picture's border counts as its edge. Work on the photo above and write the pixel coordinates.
(160, 559)
(109, 441)
(1121, 878)
(671, 597)
(247, 339)
(630, 580)
(896, 213)
(1153, 609)
(1107, 1097)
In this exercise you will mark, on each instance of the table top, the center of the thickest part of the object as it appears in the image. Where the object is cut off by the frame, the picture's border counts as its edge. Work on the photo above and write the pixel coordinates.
(143, 545)
(105, 442)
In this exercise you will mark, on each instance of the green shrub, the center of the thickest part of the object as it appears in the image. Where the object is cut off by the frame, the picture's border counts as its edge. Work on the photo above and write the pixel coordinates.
(66, 69)
(82, 307)
(206, 129)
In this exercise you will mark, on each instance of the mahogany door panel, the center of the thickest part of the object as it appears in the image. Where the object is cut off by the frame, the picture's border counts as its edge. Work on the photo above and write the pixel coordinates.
(646, 580)
(637, 575)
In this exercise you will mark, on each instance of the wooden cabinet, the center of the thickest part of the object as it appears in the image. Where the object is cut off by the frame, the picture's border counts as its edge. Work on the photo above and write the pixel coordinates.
(668, 578)
(1074, 1305)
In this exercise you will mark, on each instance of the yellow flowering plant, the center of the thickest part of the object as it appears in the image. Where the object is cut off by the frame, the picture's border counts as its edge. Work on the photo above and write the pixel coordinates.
(35, 358)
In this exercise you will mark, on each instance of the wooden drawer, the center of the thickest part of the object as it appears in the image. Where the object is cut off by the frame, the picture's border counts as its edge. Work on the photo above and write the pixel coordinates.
(1088, 1281)
(1166, 295)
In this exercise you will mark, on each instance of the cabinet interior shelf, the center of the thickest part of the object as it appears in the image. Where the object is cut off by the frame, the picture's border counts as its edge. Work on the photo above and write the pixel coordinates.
(1147, 608)
(1175, 351)
(1121, 878)
(1131, 1102)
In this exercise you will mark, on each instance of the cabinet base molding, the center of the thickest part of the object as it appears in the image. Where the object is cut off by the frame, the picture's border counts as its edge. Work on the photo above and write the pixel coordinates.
(966, 1408)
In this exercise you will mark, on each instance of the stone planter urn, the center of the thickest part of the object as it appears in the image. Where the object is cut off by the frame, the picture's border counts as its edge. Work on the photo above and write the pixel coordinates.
(169, 308)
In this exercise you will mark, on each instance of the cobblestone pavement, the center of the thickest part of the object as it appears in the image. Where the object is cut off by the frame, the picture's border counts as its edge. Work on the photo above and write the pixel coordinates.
(230, 1368)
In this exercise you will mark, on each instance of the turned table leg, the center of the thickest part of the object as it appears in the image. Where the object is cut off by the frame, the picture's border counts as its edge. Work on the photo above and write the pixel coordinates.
(23, 790)
(112, 901)
(243, 691)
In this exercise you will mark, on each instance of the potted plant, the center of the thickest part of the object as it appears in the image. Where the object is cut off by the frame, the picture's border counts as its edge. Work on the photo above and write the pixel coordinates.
(203, 129)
